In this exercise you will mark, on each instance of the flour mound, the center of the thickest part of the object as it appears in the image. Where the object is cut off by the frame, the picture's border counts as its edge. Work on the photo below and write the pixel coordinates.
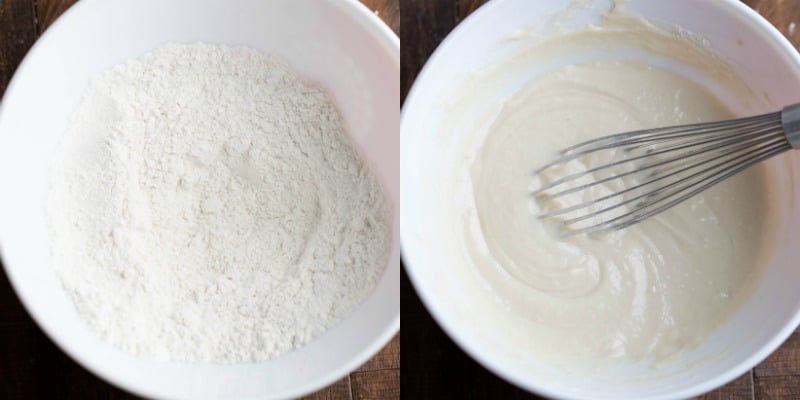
(207, 205)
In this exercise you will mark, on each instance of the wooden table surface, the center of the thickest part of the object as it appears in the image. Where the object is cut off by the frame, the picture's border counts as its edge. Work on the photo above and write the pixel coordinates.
(31, 366)
(435, 367)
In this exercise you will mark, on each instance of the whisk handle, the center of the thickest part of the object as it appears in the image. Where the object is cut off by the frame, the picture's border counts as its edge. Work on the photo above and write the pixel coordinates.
(790, 120)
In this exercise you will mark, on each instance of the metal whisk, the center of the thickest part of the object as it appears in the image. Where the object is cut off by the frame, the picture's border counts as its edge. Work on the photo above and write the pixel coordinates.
(625, 178)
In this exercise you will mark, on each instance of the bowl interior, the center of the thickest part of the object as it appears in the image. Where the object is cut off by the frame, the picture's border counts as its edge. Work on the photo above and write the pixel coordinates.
(338, 45)
(771, 68)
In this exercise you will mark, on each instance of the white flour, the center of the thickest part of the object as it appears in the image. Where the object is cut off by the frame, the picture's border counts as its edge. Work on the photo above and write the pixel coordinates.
(206, 205)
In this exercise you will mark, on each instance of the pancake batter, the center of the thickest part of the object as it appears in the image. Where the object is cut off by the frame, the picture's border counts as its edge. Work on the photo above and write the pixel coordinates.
(641, 294)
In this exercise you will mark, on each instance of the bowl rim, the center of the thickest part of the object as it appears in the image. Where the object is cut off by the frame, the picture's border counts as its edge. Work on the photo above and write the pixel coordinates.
(412, 260)
(375, 27)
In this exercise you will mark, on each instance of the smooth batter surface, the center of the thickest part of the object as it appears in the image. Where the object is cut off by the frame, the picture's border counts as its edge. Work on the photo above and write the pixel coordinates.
(644, 293)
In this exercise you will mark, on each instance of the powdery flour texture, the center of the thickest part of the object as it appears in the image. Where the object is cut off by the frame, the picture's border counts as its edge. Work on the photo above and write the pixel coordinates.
(207, 205)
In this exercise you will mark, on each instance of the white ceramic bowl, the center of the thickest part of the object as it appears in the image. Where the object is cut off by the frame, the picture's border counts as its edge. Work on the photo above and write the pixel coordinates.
(339, 45)
(770, 65)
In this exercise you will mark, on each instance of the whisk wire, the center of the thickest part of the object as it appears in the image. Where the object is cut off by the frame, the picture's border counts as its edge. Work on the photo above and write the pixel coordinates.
(623, 144)
(633, 188)
(701, 127)
(674, 163)
(760, 136)
(636, 216)
(655, 192)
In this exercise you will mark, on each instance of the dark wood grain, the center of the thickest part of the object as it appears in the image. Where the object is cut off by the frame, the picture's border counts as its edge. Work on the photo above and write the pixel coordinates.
(784, 361)
(338, 391)
(387, 10)
(17, 34)
(425, 23)
(778, 388)
(48, 10)
(739, 389)
(783, 14)
(388, 358)
(466, 7)
(375, 385)
(31, 366)
(434, 367)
